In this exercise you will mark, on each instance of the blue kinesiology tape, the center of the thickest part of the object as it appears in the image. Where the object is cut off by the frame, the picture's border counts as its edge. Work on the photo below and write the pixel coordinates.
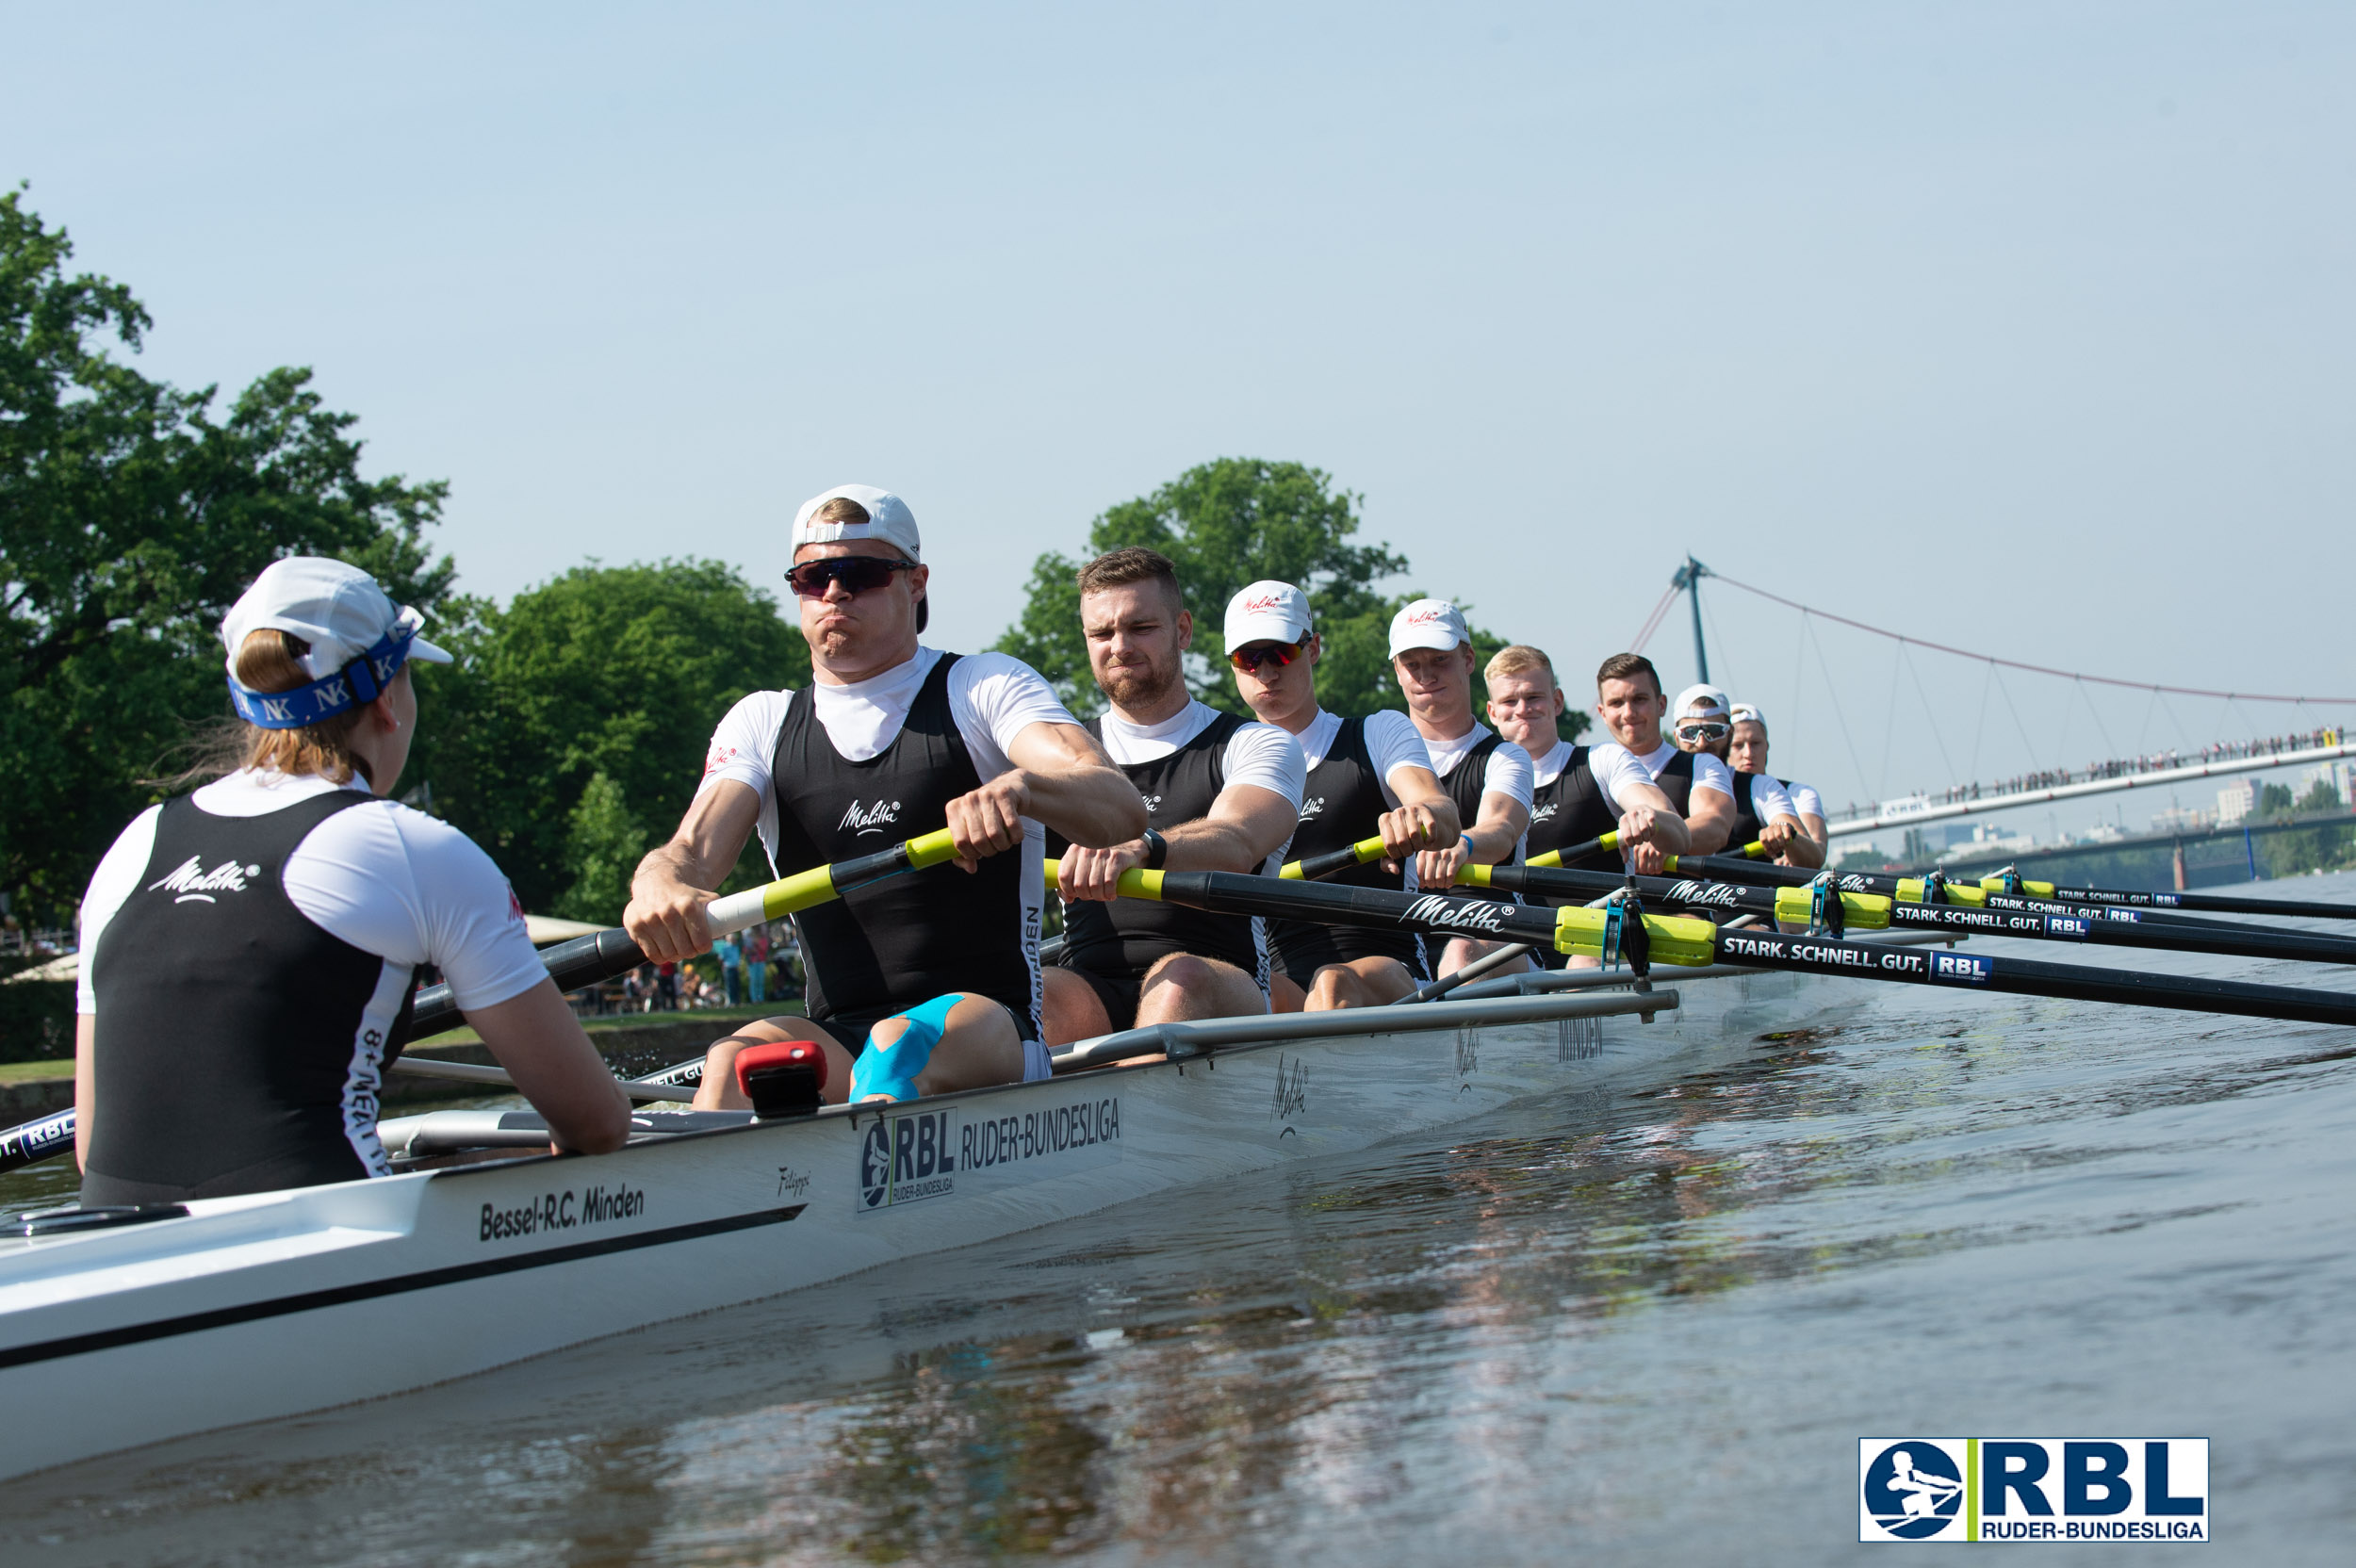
(891, 1069)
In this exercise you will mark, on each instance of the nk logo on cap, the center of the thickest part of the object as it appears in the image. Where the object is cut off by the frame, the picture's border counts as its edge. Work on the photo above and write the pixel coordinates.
(2033, 1489)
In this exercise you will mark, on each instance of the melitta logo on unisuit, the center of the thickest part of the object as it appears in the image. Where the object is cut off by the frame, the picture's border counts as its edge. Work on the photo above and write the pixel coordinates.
(872, 819)
(2032, 1488)
(193, 882)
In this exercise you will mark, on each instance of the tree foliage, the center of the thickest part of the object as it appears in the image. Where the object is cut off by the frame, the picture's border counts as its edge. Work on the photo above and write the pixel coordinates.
(131, 515)
(1226, 524)
(571, 733)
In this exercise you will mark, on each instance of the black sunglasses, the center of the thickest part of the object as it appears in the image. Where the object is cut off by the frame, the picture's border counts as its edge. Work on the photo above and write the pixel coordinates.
(858, 574)
(1249, 660)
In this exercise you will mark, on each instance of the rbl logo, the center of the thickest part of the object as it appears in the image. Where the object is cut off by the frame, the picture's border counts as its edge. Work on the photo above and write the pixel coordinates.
(2033, 1489)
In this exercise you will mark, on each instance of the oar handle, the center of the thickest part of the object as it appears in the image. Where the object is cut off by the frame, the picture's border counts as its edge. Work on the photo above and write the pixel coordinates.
(1136, 882)
(823, 884)
(1317, 866)
(1555, 858)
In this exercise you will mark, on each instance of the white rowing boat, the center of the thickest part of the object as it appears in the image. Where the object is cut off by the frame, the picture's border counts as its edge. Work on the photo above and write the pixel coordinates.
(253, 1308)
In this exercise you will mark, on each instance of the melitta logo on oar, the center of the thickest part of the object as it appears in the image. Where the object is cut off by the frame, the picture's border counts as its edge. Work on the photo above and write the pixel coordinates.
(1471, 915)
(1721, 893)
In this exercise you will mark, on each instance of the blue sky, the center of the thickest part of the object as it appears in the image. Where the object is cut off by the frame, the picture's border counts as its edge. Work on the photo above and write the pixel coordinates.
(2027, 326)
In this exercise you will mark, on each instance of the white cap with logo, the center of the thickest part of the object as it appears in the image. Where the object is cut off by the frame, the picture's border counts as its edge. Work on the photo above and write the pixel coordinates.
(1428, 623)
(1698, 702)
(337, 608)
(1268, 611)
(888, 519)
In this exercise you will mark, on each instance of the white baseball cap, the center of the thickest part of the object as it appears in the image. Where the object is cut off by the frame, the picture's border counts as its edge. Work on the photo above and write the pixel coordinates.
(888, 519)
(337, 608)
(1743, 712)
(1268, 611)
(1428, 623)
(1698, 702)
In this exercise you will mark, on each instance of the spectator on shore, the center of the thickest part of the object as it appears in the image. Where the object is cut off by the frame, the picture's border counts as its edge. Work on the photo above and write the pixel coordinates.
(756, 964)
(729, 952)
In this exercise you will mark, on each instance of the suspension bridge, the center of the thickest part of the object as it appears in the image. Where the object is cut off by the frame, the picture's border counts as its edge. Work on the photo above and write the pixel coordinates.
(2317, 736)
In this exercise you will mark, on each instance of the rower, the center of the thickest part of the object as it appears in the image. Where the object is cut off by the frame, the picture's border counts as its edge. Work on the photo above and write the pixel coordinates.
(915, 985)
(1570, 804)
(1763, 813)
(1369, 777)
(250, 950)
(1221, 793)
(1487, 775)
(1698, 788)
(1746, 748)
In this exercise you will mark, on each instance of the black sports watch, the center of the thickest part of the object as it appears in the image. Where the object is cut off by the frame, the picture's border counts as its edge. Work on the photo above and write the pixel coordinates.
(1156, 850)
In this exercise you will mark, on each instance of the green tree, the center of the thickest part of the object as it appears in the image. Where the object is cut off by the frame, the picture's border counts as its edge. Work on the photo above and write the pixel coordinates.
(603, 841)
(611, 672)
(131, 516)
(2273, 799)
(1227, 523)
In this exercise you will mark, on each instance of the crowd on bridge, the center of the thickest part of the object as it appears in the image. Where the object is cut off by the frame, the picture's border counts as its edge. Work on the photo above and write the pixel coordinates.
(2124, 767)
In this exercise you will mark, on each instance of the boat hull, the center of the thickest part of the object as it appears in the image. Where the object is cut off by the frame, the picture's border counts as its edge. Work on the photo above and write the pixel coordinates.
(256, 1308)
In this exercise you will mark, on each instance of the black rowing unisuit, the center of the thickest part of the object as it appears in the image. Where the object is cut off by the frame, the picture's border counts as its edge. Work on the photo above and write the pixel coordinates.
(1341, 806)
(1675, 781)
(234, 1052)
(1465, 783)
(1120, 941)
(1572, 810)
(1746, 823)
(905, 940)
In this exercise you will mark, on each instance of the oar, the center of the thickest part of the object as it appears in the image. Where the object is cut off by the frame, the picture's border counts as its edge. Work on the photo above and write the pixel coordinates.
(588, 960)
(1553, 858)
(583, 961)
(1937, 890)
(1797, 905)
(1316, 868)
(1686, 941)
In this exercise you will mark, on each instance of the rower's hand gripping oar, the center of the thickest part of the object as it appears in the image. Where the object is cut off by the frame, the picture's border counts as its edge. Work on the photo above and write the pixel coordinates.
(603, 955)
(588, 960)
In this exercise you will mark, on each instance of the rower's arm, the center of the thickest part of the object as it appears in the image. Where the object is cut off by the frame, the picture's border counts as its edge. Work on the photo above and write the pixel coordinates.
(1426, 815)
(1787, 838)
(85, 1082)
(1245, 825)
(1709, 821)
(677, 879)
(1067, 782)
(1503, 821)
(1647, 817)
(537, 1039)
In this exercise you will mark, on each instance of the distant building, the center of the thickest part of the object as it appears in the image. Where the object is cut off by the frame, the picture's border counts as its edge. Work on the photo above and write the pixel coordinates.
(2183, 819)
(2235, 801)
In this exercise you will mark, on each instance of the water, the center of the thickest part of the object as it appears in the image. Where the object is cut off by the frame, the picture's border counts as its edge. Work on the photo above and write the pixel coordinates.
(1647, 1333)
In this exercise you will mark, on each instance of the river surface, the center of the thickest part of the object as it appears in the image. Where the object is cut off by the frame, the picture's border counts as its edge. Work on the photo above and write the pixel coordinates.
(1650, 1333)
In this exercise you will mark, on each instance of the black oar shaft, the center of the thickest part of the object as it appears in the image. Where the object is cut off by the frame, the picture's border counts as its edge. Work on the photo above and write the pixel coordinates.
(2028, 977)
(2000, 917)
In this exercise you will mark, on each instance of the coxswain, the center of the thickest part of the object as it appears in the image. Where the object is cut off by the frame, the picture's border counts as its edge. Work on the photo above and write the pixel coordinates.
(1369, 777)
(250, 950)
(1763, 812)
(1221, 793)
(1487, 775)
(915, 984)
(1746, 748)
(1699, 787)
